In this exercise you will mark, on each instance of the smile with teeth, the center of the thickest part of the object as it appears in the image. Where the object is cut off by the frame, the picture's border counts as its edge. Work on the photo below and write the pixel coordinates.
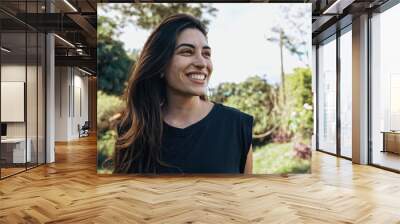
(200, 77)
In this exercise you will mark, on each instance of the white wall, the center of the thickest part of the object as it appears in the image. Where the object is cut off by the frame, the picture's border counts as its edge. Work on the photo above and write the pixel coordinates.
(71, 87)
(61, 103)
(14, 72)
(12, 101)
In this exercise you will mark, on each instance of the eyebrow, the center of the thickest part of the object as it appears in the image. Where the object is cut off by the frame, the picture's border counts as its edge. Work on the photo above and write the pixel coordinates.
(191, 46)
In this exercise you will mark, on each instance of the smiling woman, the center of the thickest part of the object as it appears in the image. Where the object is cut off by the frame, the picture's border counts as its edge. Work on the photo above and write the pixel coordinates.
(168, 125)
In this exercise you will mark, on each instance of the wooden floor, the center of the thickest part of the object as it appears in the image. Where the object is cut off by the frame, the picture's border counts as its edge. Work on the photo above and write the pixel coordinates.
(10, 171)
(70, 191)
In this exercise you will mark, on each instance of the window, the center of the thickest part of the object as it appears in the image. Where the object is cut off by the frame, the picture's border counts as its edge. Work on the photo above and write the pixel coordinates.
(22, 76)
(346, 93)
(327, 96)
(385, 89)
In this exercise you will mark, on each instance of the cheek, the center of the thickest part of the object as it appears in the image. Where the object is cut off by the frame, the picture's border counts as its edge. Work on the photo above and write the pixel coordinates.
(171, 68)
(174, 72)
(176, 65)
(210, 67)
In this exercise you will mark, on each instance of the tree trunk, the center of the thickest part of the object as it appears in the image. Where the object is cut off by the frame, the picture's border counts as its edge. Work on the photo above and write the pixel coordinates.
(283, 97)
(263, 135)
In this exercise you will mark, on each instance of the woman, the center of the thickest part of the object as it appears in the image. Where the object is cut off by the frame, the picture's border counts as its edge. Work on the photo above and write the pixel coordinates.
(169, 126)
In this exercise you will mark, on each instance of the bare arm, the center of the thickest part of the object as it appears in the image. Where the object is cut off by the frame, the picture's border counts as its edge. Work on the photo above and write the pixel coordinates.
(248, 169)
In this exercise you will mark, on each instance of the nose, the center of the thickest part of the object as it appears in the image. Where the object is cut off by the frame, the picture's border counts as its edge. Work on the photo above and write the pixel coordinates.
(200, 61)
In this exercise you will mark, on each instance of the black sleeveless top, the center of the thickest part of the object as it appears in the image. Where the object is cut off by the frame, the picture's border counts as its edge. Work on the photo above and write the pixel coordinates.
(218, 143)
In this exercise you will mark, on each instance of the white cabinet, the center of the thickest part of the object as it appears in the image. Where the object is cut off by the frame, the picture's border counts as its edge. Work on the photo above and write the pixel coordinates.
(18, 149)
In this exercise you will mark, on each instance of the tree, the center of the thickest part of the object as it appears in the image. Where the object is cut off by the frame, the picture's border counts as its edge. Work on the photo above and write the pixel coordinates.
(106, 28)
(254, 96)
(148, 15)
(283, 40)
(293, 36)
(300, 31)
(113, 63)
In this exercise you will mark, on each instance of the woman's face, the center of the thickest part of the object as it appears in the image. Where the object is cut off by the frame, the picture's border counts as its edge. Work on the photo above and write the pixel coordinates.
(190, 67)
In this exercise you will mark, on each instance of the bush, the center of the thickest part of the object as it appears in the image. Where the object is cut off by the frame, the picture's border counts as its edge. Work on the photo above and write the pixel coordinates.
(106, 148)
(108, 106)
(254, 96)
(299, 103)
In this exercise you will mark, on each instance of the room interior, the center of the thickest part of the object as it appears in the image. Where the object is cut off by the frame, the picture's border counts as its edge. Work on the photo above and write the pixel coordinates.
(355, 158)
(22, 104)
(336, 82)
(37, 72)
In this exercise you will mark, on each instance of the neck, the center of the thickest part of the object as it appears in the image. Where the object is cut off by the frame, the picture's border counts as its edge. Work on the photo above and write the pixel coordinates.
(183, 110)
(182, 106)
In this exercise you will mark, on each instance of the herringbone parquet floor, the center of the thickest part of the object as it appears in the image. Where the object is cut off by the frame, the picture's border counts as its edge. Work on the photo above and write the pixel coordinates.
(70, 191)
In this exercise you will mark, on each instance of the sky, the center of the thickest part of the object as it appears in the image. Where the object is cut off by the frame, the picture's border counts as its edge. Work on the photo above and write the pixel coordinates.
(237, 36)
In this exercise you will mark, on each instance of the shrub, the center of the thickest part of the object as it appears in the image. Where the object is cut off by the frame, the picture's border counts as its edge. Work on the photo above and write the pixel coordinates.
(108, 106)
(106, 147)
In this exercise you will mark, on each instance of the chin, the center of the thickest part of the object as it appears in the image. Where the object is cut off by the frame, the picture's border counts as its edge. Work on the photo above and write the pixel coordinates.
(196, 94)
(195, 91)
(200, 93)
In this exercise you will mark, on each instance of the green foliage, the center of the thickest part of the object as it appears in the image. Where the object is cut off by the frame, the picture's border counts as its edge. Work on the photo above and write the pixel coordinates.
(113, 63)
(148, 16)
(299, 103)
(254, 96)
(107, 107)
(106, 147)
(106, 28)
(278, 159)
(257, 97)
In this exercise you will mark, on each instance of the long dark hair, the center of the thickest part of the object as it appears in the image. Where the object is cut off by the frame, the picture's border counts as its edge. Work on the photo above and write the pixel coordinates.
(138, 146)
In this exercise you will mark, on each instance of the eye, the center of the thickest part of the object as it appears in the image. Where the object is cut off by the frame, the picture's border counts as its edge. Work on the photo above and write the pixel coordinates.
(186, 52)
(207, 54)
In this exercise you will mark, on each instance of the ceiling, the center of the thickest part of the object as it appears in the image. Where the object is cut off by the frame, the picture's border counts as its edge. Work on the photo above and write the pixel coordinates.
(331, 15)
(74, 21)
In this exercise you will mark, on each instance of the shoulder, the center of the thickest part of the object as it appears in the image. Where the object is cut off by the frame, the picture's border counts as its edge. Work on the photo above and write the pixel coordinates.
(233, 113)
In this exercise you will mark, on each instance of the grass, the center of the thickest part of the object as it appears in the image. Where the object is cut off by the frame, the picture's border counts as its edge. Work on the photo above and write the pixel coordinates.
(277, 158)
(104, 171)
